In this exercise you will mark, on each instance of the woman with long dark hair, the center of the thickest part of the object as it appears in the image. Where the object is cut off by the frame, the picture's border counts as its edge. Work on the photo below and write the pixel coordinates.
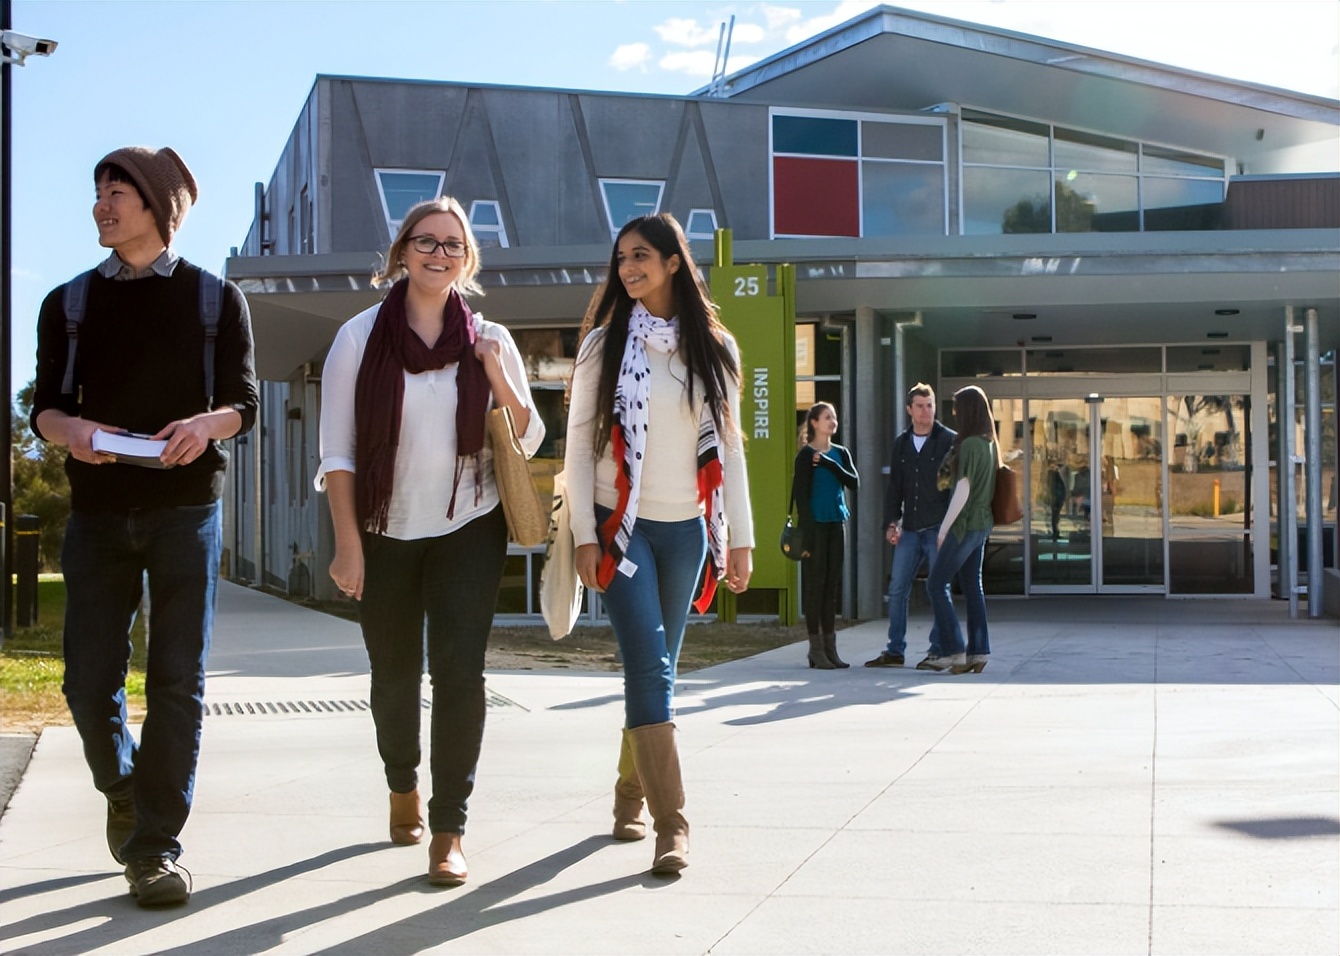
(822, 470)
(419, 532)
(963, 533)
(659, 495)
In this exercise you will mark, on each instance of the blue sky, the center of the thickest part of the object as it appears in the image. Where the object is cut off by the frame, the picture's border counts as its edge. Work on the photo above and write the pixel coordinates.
(222, 82)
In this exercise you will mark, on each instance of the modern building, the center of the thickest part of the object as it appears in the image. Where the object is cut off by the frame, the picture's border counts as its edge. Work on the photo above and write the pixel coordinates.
(1123, 254)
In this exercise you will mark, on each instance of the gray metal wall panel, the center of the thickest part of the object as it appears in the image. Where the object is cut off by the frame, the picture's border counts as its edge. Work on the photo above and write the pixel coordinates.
(738, 135)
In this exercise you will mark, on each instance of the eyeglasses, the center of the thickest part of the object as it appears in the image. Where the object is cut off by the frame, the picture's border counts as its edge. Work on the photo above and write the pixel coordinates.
(427, 245)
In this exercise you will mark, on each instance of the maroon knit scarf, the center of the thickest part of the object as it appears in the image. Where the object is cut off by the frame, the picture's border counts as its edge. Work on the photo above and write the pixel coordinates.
(379, 395)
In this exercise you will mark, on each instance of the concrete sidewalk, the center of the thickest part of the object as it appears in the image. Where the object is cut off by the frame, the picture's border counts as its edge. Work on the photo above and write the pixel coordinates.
(1127, 776)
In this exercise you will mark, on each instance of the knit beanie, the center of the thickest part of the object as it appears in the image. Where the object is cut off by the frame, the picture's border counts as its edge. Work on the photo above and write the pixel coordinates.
(164, 180)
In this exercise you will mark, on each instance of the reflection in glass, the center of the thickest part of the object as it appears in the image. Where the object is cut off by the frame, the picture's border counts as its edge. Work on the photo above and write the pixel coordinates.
(997, 201)
(1130, 492)
(1003, 141)
(1096, 361)
(1209, 494)
(1003, 559)
(980, 363)
(1209, 358)
(1163, 161)
(1060, 493)
(1089, 202)
(1181, 204)
(902, 199)
(1088, 152)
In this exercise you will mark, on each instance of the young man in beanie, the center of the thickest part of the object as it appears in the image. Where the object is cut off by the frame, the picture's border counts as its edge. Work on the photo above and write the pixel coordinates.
(140, 367)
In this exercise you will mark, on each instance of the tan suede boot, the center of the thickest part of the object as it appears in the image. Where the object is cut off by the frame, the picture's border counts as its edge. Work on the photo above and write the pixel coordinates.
(657, 760)
(628, 824)
(406, 818)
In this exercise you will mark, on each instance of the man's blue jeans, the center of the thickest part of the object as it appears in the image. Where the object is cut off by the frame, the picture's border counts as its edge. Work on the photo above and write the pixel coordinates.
(650, 609)
(961, 557)
(912, 548)
(105, 558)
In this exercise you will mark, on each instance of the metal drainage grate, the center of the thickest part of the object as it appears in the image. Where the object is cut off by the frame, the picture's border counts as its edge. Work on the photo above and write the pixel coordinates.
(299, 708)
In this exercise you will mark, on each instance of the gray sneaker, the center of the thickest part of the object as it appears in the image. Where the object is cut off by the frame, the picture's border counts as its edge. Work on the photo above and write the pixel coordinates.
(158, 881)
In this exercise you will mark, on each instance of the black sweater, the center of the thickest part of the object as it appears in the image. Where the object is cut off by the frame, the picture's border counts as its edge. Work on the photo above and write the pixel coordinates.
(911, 493)
(140, 364)
(802, 484)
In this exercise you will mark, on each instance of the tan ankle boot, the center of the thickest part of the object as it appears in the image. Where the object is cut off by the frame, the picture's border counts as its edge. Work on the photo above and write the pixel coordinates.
(656, 757)
(446, 860)
(406, 818)
(628, 824)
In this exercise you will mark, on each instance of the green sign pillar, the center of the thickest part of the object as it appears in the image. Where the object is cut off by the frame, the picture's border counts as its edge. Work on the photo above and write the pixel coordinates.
(764, 324)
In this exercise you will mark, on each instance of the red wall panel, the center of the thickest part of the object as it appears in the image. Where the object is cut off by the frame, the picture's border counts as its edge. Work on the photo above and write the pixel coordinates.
(815, 197)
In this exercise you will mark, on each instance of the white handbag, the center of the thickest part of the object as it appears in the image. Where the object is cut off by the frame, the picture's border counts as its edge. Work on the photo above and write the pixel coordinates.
(560, 588)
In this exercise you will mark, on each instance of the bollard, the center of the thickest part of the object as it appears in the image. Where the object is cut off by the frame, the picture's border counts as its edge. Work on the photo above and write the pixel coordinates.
(1216, 497)
(27, 547)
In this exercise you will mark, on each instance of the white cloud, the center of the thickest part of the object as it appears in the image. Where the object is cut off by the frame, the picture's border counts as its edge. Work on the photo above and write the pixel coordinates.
(778, 18)
(748, 33)
(690, 63)
(843, 12)
(628, 56)
(685, 32)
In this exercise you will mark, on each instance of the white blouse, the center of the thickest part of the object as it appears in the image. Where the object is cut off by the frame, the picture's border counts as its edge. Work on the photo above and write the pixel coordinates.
(425, 462)
(669, 490)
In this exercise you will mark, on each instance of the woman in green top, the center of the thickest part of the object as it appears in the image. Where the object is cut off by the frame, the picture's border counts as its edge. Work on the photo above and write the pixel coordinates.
(963, 535)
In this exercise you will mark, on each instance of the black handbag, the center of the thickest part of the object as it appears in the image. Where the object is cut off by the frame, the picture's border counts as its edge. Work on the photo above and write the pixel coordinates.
(793, 538)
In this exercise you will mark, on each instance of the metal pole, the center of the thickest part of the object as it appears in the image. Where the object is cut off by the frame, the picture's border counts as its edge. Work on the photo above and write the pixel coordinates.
(1288, 505)
(1312, 464)
(6, 325)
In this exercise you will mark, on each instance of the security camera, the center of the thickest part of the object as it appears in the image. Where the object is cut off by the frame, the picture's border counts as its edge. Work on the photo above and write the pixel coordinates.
(22, 46)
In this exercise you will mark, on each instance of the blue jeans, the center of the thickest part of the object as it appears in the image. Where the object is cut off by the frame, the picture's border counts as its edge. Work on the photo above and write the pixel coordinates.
(452, 582)
(912, 548)
(105, 558)
(649, 610)
(961, 557)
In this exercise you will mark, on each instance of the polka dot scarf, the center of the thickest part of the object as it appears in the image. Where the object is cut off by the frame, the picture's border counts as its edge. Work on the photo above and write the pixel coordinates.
(628, 440)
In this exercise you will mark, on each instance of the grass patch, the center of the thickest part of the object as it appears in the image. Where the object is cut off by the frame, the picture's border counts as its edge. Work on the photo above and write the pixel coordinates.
(32, 666)
(527, 647)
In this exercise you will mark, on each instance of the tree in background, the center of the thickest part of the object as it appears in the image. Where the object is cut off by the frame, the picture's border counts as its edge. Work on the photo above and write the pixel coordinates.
(40, 485)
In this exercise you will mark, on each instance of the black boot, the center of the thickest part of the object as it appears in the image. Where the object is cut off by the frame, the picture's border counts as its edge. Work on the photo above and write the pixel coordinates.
(830, 649)
(817, 656)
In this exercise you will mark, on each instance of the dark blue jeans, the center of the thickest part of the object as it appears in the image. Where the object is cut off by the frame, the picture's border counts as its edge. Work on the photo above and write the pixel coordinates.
(105, 558)
(650, 609)
(452, 581)
(961, 557)
(913, 548)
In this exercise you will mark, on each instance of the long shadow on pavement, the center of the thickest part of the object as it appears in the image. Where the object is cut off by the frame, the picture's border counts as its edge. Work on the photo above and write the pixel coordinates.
(118, 918)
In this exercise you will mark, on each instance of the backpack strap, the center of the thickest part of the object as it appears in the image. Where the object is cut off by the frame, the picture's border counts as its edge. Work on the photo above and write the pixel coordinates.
(74, 299)
(211, 301)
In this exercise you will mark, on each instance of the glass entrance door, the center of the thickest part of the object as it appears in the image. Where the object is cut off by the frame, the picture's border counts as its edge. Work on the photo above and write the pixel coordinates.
(1096, 498)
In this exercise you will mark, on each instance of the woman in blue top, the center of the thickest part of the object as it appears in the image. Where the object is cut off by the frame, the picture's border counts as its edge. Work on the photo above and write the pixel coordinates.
(822, 470)
(963, 534)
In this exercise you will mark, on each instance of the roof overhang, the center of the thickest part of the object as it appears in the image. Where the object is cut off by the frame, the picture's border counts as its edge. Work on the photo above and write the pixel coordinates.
(1083, 289)
(890, 58)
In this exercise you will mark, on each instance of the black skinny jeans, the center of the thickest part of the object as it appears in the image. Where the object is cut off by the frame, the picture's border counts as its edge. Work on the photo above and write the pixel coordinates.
(823, 576)
(453, 581)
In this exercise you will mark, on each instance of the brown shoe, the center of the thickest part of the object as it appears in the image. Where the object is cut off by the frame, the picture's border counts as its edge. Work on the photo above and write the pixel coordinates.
(446, 860)
(885, 659)
(406, 818)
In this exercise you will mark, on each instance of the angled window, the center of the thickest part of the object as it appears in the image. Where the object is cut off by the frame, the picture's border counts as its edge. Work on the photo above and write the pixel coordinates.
(702, 224)
(487, 224)
(400, 189)
(627, 199)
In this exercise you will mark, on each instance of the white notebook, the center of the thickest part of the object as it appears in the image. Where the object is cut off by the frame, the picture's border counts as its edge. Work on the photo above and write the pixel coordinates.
(130, 449)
